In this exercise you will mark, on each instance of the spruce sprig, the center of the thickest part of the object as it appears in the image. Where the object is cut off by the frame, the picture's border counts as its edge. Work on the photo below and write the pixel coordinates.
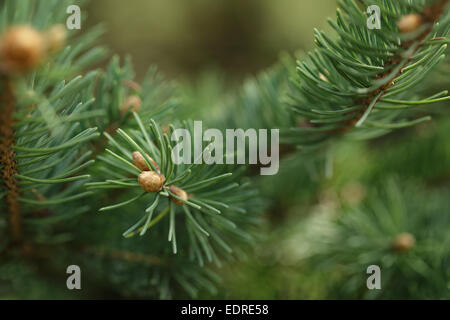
(362, 80)
(209, 198)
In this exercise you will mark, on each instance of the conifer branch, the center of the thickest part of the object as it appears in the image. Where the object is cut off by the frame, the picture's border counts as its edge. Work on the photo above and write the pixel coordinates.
(429, 16)
(183, 216)
(348, 82)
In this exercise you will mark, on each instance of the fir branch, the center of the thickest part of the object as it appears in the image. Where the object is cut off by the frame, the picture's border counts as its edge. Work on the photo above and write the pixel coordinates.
(346, 80)
(170, 187)
(430, 15)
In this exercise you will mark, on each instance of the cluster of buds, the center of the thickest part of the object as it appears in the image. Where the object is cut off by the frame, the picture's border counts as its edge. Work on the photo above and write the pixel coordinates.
(153, 181)
(23, 48)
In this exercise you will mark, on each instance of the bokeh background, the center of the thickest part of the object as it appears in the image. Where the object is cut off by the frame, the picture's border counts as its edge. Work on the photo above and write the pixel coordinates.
(185, 38)
(211, 47)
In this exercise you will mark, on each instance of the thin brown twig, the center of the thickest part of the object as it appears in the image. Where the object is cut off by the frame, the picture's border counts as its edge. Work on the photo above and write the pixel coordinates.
(7, 157)
(128, 256)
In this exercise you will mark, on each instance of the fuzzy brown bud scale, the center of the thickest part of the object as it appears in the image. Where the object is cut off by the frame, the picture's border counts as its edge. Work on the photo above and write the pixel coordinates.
(151, 181)
(132, 102)
(139, 161)
(403, 242)
(410, 23)
(22, 48)
(180, 193)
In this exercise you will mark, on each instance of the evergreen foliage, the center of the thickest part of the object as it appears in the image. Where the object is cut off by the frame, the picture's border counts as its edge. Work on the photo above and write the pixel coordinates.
(76, 140)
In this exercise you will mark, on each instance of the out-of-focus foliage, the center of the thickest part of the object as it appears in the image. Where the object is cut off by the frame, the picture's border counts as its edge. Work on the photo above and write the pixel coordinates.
(185, 38)
(379, 190)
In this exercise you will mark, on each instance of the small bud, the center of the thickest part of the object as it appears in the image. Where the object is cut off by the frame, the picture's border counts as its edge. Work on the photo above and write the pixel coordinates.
(179, 193)
(139, 161)
(165, 129)
(55, 37)
(410, 23)
(151, 181)
(132, 102)
(403, 242)
(322, 77)
(21, 49)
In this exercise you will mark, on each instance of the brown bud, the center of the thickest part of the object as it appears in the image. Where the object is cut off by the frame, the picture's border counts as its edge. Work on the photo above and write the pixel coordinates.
(139, 161)
(132, 102)
(179, 193)
(410, 23)
(21, 49)
(403, 242)
(151, 181)
(55, 37)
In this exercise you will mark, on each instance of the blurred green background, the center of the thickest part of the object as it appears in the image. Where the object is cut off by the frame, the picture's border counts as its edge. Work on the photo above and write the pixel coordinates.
(186, 37)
